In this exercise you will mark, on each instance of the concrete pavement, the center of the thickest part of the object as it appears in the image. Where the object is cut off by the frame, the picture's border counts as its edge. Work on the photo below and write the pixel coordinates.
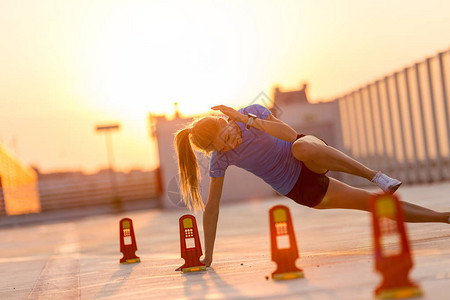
(79, 258)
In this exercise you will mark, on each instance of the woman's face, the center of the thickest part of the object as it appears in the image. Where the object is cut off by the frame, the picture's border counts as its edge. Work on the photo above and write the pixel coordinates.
(229, 136)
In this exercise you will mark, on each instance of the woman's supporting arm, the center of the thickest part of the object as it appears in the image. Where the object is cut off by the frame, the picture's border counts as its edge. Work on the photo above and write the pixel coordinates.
(210, 217)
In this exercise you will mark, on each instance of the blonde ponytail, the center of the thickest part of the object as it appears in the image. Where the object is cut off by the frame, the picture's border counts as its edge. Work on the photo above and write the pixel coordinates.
(201, 133)
(188, 171)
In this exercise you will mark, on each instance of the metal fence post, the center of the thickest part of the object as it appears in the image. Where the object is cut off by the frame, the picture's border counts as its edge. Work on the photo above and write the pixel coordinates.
(364, 125)
(350, 119)
(376, 158)
(436, 132)
(424, 131)
(345, 124)
(402, 129)
(380, 119)
(411, 123)
(444, 98)
(356, 126)
(391, 124)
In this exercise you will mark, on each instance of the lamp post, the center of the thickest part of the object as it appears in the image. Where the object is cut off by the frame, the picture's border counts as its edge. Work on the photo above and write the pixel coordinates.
(107, 129)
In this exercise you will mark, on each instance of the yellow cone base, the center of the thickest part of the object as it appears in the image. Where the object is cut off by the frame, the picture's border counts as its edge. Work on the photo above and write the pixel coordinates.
(131, 261)
(288, 276)
(398, 293)
(194, 269)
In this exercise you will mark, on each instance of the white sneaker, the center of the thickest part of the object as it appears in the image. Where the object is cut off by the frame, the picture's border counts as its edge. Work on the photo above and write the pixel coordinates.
(386, 183)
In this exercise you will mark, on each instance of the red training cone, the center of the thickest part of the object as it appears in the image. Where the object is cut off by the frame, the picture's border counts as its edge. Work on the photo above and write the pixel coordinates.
(283, 244)
(392, 255)
(127, 242)
(191, 249)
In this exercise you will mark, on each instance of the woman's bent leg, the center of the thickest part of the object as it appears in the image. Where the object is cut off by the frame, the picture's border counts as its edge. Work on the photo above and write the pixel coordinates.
(341, 195)
(320, 157)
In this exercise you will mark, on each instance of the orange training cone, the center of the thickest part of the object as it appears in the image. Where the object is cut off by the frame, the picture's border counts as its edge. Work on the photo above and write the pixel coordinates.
(392, 255)
(191, 249)
(127, 242)
(283, 244)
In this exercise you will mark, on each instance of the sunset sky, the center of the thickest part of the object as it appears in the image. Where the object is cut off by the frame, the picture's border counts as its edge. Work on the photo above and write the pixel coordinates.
(67, 66)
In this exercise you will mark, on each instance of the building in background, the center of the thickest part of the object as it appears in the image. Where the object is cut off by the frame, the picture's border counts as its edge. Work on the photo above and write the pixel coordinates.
(19, 192)
(293, 107)
(319, 119)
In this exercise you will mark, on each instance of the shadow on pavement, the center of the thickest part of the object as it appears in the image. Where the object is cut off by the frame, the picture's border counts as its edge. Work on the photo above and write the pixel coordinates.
(116, 281)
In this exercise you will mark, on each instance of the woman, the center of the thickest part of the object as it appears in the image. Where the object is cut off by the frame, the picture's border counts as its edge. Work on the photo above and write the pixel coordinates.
(294, 165)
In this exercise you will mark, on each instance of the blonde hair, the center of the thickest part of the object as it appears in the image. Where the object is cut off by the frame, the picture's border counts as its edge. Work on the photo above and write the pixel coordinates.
(200, 135)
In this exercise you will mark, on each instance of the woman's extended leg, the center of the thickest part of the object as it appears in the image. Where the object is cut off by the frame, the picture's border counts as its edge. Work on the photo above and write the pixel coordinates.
(341, 195)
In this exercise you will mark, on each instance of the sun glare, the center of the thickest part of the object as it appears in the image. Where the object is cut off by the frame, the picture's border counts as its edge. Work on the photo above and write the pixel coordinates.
(143, 62)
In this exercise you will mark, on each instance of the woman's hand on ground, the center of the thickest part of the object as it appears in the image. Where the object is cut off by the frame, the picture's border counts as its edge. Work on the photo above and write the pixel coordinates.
(230, 112)
(207, 261)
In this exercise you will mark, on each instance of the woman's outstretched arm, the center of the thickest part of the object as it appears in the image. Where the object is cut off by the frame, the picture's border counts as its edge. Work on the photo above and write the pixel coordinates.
(276, 128)
(210, 217)
(272, 125)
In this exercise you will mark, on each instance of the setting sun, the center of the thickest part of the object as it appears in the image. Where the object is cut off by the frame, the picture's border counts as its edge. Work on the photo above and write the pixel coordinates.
(148, 57)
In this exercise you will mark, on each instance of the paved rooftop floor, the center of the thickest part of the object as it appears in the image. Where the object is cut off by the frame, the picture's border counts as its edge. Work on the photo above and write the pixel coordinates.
(79, 258)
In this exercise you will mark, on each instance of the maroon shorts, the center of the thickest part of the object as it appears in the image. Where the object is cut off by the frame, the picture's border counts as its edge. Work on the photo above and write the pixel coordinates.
(310, 187)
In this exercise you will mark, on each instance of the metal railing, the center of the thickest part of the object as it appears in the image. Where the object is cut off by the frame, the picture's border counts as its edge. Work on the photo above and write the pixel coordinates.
(400, 124)
(92, 190)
